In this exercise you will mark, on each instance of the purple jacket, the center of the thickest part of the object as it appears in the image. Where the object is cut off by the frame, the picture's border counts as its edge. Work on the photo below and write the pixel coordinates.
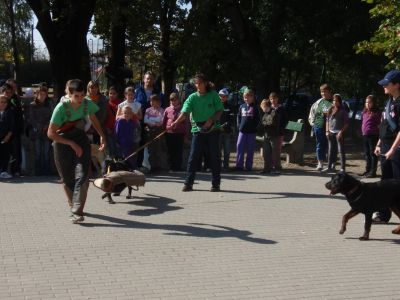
(125, 132)
(370, 122)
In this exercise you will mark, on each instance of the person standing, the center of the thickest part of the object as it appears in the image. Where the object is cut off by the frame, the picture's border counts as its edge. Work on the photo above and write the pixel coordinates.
(94, 94)
(248, 119)
(278, 143)
(370, 120)
(112, 109)
(71, 145)
(317, 119)
(388, 144)
(336, 125)
(226, 128)
(6, 131)
(205, 109)
(39, 116)
(125, 136)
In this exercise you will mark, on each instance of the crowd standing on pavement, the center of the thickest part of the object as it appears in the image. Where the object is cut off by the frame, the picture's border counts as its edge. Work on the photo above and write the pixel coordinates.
(29, 125)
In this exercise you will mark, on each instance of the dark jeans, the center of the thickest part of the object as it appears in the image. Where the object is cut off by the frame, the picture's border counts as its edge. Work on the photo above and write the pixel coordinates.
(175, 150)
(335, 146)
(4, 156)
(321, 143)
(371, 160)
(225, 146)
(390, 170)
(208, 142)
(42, 156)
(73, 170)
(16, 154)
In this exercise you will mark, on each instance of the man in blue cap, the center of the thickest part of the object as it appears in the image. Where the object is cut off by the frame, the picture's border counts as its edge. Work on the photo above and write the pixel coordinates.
(389, 135)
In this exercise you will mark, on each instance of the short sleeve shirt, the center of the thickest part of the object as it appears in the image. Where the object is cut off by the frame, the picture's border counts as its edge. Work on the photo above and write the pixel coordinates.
(202, 107)
(59, 116)
(135, 106)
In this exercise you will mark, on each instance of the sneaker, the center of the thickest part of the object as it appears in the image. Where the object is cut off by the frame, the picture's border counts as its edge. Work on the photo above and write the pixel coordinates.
(319, 168)
(187, 188)
(75, 219)
(5, 175)
(215, 188)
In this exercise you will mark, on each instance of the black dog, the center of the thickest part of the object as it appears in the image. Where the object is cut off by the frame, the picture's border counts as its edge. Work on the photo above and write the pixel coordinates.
(116, 165)
(366, 198)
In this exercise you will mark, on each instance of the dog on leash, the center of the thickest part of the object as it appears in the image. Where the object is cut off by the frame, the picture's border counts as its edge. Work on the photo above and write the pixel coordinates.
(366, 198)
(118, 177)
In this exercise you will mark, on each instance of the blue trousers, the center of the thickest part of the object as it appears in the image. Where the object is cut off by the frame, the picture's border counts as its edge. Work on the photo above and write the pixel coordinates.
(322, 143)
(245, 143)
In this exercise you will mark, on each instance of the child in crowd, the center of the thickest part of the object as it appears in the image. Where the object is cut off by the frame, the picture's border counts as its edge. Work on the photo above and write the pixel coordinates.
(370, 121)
(174, 136)
(247, 122)
(6, 129)
(94, 94)
(135, 106)
(153, 119)
(112, 108)
(125, 135)
(40, 111)
(270, 125)
(283, 120)
(336, 125)
(226, 128)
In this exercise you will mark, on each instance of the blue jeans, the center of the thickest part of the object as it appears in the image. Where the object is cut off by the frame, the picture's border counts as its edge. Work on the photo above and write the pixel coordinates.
(209, 143)
(42, 156)
(322, 142)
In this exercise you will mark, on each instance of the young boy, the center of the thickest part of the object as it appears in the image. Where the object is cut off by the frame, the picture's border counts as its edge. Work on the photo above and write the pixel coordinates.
(71, 145)
(226, 128)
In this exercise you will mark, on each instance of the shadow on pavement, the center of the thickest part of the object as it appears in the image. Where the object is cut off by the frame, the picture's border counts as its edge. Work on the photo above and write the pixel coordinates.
(180, 230)
(159, 205)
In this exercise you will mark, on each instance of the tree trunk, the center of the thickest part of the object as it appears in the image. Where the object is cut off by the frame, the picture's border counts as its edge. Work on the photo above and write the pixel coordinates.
(64, 26)
(167, 65)
(10, 7)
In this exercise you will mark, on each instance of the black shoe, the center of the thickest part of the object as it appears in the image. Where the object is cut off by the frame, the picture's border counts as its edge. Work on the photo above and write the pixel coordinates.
(187, 188)
(264, 172)
(215, 188)
(370, 175)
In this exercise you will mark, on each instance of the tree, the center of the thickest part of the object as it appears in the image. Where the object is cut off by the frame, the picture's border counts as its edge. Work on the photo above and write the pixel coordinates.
(64, 26)
(386, 39)
(15, 26)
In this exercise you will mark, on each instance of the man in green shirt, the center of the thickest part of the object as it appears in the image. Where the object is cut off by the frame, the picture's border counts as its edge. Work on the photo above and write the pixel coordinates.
(317, 120)
(205, 109)
(71, 144)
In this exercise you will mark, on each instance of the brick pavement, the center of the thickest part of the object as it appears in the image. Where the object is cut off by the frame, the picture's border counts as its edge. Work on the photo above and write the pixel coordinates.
(263, 237)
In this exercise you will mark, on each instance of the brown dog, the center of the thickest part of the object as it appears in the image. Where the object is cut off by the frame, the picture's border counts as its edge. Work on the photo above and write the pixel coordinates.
(366, 198)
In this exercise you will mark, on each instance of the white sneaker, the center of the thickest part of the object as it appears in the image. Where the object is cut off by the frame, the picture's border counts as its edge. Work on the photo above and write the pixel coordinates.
(5, 175)
(319, 167)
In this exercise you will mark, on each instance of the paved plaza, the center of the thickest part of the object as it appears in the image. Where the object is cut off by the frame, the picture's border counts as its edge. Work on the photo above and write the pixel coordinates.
(261, 237)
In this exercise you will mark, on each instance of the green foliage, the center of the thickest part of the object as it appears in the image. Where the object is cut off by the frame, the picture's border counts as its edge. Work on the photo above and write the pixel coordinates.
(23, 23)
(386, 39)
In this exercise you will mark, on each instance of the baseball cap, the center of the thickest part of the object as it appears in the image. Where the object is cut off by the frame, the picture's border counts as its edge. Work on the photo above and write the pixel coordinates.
(224, 92)
(391, 76)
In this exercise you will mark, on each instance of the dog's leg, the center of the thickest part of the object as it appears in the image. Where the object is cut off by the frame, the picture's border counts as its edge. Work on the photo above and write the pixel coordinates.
(346, 218)
(396, 211)
(109, 198)
(130, 189)
(367, 227)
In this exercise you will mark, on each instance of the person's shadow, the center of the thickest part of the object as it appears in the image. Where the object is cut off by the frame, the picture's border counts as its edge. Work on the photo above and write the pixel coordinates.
(216, 231)
(159, 205)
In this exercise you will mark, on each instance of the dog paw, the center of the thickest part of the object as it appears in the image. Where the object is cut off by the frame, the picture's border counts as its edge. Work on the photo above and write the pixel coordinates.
(342, 230)
(363, 238)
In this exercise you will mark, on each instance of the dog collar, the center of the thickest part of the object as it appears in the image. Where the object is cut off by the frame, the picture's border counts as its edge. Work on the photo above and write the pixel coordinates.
(353, 190)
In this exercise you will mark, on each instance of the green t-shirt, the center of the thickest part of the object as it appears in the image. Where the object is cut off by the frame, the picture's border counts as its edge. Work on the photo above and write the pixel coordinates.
(59, 116)
(201, 108)
(322, 108)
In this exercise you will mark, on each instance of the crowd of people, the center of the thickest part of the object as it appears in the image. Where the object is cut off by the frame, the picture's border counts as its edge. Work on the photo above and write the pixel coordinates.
(119, 127)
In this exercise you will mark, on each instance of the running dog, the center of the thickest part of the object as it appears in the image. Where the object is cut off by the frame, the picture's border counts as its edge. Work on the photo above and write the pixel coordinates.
(366, 198)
